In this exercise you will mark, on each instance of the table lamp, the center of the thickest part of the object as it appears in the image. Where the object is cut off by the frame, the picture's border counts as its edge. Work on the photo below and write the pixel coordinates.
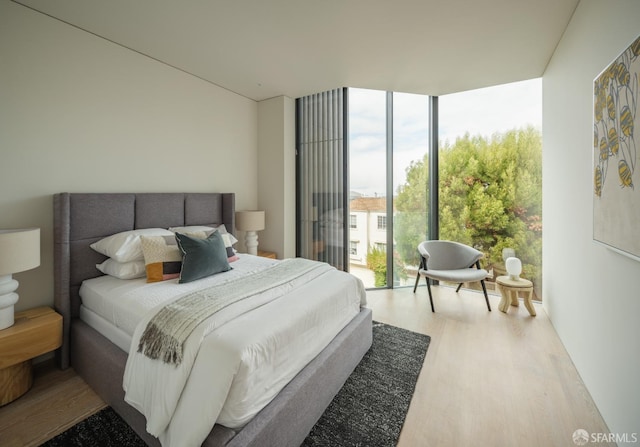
(250, 222)
(19, 251)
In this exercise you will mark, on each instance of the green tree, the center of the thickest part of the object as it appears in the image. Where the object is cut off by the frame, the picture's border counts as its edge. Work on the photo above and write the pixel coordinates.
(377, 262)
(411, 212)
(490, 198)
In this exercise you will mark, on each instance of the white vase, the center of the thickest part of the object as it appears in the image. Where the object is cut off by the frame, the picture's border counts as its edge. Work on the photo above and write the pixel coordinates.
(514, 268)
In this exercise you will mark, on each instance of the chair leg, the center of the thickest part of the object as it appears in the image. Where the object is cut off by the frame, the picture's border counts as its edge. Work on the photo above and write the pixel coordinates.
(430, 297)
(417, 280)
(458, 289)
(486, 297)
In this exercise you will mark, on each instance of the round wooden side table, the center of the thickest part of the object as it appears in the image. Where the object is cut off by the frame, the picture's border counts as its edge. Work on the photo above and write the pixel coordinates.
(509, 289)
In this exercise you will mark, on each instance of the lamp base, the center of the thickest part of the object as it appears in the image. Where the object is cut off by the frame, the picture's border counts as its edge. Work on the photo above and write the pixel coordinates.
(6, 317)
(251, 242)
(8, 298)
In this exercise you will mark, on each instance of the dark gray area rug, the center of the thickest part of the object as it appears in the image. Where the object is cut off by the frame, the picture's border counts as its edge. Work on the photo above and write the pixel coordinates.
(369, 410)
(105, 428)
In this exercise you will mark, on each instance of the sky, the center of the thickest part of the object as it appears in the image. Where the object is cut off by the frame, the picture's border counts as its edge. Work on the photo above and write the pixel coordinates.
(479, 112)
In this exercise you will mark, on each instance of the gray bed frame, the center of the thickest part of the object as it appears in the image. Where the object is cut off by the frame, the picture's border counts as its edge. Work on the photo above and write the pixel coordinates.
(81, 219)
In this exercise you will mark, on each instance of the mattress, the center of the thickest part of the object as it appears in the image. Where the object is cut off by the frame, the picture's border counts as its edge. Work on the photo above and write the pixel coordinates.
(124, 303)
(272, 343)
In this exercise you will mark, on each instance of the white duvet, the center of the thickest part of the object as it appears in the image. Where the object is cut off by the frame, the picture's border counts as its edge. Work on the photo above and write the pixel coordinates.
(240, 358)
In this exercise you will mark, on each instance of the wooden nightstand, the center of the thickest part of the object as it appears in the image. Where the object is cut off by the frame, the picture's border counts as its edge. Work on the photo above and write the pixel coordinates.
(35, 332)
(267, 254)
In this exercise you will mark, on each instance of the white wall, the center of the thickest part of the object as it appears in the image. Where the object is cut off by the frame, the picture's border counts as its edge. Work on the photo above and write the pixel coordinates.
(81, 114)
(277, 175)
(591, 293)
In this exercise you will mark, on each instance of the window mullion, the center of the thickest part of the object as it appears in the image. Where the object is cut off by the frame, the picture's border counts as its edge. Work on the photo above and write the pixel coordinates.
(433, 223)
(389, 190)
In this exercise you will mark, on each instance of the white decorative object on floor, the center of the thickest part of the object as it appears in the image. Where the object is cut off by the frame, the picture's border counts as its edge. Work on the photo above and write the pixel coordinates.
(250, 222)
(19, 251)
(514, 268)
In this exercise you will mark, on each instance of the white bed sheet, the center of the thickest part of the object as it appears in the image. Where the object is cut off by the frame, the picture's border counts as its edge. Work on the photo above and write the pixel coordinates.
(270, 344)
(115, 335)
(124, 303)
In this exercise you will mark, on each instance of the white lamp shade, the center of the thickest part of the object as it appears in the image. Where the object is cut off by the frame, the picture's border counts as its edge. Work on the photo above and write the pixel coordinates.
(514, 267)
(250, 220)
(19, 250)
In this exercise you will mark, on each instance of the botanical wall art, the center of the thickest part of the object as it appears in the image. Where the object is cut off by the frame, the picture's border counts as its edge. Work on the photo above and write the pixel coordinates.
(616, 181)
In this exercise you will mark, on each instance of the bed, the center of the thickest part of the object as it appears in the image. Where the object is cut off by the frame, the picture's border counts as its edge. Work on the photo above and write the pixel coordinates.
(82, 219)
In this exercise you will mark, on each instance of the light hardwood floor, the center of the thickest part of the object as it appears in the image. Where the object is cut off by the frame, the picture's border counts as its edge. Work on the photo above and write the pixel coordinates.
(58, 400)
(489, 379)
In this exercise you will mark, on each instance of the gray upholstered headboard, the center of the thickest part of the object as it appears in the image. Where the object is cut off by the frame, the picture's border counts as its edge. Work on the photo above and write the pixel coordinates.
(81, 219)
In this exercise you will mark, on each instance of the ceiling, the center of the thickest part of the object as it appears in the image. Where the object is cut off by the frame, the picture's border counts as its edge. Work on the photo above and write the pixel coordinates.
(266, 48)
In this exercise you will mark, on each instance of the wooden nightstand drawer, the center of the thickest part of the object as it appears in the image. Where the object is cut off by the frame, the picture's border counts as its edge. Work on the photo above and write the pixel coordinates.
(35, 332)
(267, 254)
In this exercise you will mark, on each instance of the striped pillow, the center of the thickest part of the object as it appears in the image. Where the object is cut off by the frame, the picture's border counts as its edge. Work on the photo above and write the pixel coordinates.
(162, 257)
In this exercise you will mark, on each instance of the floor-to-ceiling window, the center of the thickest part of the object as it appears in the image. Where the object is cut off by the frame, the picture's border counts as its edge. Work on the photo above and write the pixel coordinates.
(490, 173)
(486, 185)
(367, 186)
(410, 182)
(387, 146)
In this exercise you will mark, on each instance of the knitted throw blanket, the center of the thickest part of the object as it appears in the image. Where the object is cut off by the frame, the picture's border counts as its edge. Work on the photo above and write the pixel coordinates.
(167, 331)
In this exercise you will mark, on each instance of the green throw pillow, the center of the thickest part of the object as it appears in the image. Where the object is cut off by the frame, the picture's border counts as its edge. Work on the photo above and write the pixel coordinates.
(202, 257)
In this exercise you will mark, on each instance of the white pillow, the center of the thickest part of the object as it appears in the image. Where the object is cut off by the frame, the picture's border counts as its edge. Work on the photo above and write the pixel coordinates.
(193, 228)
(222, 229)
(122, 270)
(125, 246)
